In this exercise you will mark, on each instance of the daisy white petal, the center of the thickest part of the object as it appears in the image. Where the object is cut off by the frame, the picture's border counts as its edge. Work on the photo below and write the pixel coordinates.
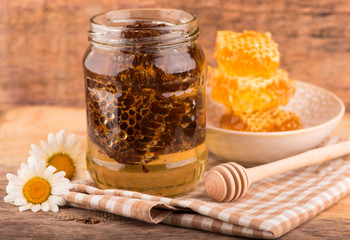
(45, 147)
(60, 188)
(61, 139)
(25, 171)
(48, 172)
(37, 152)
(41, 168)
(57, 175)
(34, 148)
(13, 178)
(59, 191)
(25, 207)
(20, 201)
(9, 198)
(12, 188)
(22, 175)
(32, 165)
(62, 184)
(51, 139)
(36, 207)
(14, 185)
(57, 200)
(71, 143)
(70, 140)
(45, 206)
(53, 207)
(52, 142)
(60, 144)
(76, 143)
(12, 197)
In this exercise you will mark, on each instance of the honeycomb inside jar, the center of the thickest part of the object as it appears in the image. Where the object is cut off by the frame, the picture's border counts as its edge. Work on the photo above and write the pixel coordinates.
(146, 117)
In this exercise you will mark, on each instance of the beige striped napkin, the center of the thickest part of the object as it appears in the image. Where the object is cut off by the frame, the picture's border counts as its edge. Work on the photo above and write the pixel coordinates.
(271, 207)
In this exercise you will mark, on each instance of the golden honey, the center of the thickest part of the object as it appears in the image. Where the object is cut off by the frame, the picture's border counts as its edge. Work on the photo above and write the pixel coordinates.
(170, 175)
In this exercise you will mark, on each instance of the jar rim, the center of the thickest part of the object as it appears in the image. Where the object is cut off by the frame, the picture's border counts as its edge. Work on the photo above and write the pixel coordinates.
(191, 20)
(180, 27)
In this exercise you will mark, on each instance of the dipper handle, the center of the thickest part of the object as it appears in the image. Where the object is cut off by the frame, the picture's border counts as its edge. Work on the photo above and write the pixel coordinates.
(230, 181)
(304, 159)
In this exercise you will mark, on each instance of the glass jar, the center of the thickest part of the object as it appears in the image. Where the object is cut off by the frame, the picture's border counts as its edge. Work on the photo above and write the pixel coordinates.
(145, 86)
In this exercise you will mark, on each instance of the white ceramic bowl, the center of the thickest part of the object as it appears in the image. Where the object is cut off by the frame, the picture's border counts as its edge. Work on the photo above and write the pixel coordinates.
(318, 109)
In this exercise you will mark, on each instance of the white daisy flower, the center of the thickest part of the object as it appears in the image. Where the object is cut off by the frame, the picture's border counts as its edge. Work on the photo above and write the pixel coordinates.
(63, 153)
(37, 187)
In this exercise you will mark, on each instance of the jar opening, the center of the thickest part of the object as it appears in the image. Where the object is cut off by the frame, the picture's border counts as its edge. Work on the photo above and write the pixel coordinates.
(143, 28)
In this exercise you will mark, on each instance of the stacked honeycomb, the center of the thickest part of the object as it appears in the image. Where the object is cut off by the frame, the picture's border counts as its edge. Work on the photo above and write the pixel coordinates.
(249, 83)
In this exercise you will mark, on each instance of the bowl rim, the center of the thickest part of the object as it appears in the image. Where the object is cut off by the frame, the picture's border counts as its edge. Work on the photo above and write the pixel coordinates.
(336, 118)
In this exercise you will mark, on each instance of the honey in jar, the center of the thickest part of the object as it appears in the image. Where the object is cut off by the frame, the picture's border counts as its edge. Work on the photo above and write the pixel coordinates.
(144, 80)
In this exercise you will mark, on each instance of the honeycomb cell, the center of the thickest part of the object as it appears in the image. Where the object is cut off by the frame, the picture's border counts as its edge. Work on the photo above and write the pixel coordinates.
(110, 115)
(251, 93)
(123, 135)
(103, 103)
(96, 97)
(124, 126)
(110, 98)
(110, 107)
(130, 131)
(103, 119)
(271, 120)
(109, 125)
(132, 122)
(132, 112)
(124, 116)
(247, 54)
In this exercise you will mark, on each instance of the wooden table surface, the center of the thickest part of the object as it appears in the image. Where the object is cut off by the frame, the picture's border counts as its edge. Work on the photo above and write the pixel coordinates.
(22, 126)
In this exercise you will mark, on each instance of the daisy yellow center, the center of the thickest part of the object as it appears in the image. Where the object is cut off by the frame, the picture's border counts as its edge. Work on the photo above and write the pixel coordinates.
(36, 190)
(63, 162)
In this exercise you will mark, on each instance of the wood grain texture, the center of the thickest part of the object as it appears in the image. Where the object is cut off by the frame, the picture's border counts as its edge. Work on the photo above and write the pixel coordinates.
(22, 126)
(42, 42)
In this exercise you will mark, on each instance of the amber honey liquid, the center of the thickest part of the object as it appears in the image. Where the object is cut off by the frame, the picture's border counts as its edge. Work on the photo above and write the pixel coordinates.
(173, 174)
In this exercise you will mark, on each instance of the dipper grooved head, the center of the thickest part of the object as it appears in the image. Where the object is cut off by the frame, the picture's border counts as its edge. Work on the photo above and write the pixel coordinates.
(226, 182)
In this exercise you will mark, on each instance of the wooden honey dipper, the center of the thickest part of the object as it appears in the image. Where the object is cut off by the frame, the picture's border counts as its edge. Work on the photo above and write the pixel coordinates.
(230, 181)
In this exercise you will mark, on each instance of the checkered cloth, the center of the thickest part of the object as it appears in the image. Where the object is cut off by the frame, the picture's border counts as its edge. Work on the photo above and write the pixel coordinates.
(271, 207)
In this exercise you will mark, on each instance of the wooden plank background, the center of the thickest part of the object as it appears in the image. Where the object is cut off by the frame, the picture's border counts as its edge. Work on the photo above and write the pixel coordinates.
(42, 42)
